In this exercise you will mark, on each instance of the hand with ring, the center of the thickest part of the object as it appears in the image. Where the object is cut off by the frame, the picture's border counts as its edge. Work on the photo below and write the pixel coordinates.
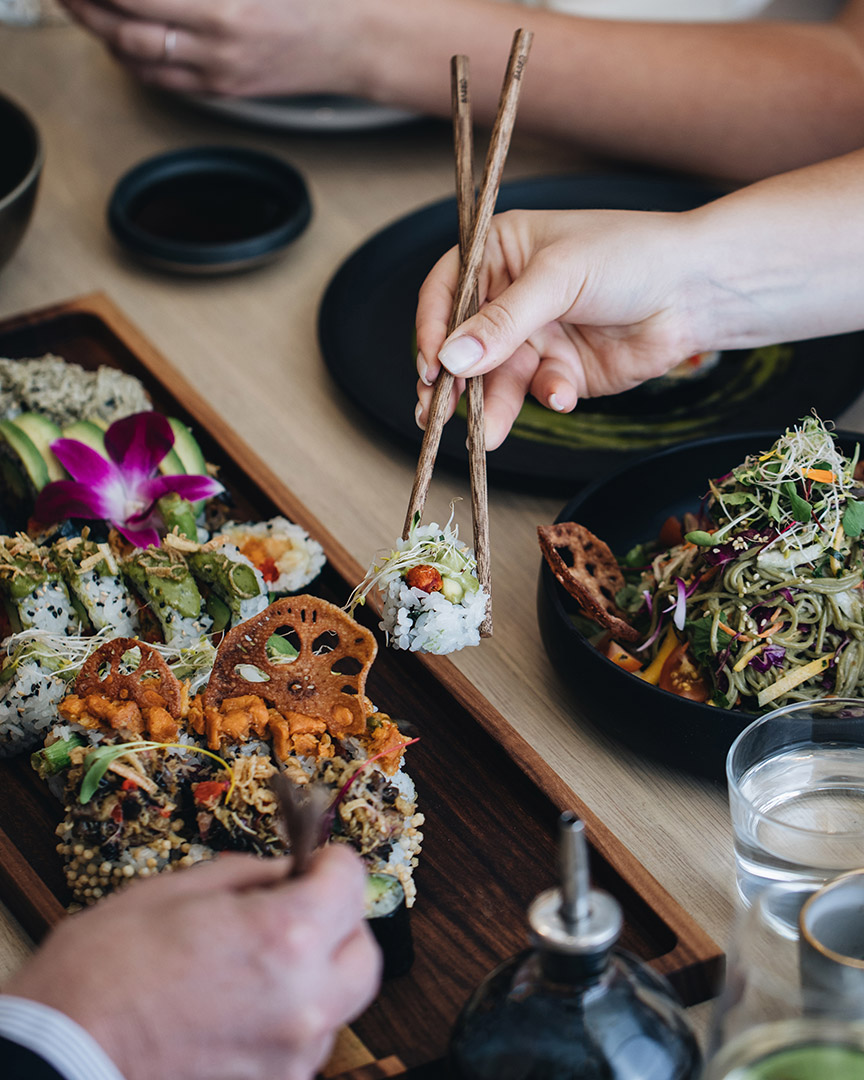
(212, 46)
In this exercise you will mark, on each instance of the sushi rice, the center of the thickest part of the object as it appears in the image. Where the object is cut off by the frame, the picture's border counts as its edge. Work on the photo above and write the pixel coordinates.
(28, 702)
(107, 602)
(38, 668)
(49, 608)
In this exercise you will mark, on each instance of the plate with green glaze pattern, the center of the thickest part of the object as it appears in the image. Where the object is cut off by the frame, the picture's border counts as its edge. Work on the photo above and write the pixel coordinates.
(366, 333)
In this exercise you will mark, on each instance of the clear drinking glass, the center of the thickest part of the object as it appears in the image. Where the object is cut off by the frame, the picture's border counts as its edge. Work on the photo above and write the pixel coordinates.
(765, 1026)
(796, 797)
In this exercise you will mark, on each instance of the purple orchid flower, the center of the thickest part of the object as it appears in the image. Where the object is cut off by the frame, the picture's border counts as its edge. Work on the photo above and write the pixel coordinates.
(124, 487)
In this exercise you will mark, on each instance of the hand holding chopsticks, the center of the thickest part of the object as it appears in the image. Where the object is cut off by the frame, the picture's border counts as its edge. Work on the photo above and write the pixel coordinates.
(473, 232)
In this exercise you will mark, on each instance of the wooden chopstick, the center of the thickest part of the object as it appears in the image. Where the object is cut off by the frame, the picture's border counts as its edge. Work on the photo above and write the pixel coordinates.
(463, 139)
(466, 291)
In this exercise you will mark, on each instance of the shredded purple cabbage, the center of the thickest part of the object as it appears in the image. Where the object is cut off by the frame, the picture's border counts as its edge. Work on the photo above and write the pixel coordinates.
(770, 657)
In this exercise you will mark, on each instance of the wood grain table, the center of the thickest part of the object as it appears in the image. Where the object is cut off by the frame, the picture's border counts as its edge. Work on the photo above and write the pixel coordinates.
(248, 344)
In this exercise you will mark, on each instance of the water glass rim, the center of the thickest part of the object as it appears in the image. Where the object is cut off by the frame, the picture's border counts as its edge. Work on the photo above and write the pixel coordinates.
(759, 722)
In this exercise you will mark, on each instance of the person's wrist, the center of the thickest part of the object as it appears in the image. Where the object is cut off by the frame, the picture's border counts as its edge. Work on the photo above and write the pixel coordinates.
(706, 263)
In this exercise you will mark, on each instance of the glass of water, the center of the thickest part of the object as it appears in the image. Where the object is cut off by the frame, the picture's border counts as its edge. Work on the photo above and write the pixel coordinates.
(766, 1025)
(796, 797)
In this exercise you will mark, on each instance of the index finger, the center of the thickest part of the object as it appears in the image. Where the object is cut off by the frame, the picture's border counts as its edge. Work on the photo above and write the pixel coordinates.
(434, 307)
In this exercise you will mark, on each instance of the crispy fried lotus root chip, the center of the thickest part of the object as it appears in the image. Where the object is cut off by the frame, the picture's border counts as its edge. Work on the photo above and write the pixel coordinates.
(326, 680)
(588, 570)
(109, 672)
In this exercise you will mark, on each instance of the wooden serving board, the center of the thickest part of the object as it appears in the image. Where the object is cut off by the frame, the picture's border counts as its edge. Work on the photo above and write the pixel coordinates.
(491, 802)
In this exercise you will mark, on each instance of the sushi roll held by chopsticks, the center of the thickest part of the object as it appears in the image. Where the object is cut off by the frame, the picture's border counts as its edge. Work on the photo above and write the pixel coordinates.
(436, 593)
(431, 598)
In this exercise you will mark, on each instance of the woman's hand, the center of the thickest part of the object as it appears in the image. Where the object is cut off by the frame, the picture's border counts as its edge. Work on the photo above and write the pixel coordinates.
(226, 969)
(574, 304)
(241, 47)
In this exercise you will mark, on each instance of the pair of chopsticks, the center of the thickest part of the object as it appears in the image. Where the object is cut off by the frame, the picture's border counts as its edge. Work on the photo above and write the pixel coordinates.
(474, 223)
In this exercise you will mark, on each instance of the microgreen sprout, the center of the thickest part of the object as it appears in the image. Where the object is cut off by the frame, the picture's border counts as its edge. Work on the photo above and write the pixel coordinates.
(803, 482)
(443, 551)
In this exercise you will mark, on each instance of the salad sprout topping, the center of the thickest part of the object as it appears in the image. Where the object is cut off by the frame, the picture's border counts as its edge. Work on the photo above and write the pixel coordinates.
(442, 551)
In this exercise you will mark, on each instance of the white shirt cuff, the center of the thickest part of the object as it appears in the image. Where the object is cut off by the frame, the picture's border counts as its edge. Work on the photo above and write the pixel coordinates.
(56, 1038)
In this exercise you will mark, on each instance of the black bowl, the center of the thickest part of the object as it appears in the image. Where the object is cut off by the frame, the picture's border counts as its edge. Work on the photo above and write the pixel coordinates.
(209, 210)
(21, 157)
(624, 509)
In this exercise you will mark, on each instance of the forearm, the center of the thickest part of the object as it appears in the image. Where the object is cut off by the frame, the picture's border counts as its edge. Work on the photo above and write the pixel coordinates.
(739, 100)
(781, 260)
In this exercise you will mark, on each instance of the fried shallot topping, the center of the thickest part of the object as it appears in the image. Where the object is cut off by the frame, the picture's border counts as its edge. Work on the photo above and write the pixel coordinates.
(325, 681)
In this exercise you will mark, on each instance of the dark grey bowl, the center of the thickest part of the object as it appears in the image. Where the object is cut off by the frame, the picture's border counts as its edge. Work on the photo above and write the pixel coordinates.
(625, 508)
(21, 156)
(209, 209)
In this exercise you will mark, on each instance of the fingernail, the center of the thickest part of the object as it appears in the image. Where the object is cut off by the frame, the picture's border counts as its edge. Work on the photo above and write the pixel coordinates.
(556, 403)
(418, 411)
(422, 369)
(460, 354)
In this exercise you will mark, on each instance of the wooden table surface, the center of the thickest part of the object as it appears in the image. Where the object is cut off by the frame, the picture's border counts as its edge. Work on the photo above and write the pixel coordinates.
(248, 342)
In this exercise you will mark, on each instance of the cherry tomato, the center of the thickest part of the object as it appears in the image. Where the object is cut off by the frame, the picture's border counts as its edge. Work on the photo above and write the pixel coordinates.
(671, 533)
(681, 676)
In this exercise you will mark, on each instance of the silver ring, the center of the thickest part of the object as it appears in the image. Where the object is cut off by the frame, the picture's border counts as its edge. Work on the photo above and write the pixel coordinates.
(169, 45)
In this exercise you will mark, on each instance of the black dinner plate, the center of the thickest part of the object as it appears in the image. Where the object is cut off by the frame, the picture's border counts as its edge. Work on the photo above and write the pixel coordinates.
(624, 509)
(366, 333)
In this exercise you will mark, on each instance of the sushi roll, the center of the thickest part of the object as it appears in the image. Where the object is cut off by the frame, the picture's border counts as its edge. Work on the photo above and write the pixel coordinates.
(432, 601)
(225, 572)
(376, 812)
(33, 679)
(165, 583)
(284, 553)
(92, 575)
(388, 919)
(32, 588)
(132, 826)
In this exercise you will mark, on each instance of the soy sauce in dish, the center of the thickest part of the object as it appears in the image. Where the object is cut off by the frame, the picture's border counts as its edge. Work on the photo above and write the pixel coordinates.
(208, 208)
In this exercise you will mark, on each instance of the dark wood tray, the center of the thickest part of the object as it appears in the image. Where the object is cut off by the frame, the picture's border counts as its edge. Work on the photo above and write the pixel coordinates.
(491, 802)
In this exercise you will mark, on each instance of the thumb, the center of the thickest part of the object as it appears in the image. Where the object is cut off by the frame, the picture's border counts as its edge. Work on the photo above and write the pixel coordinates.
(494, 334)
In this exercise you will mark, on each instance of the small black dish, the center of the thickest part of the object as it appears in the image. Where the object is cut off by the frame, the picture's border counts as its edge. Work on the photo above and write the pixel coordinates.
(209, 210)
(624, 509)
(21, 162)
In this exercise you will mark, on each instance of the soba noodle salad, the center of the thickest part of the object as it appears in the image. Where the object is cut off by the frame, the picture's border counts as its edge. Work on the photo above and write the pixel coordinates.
(760, 603)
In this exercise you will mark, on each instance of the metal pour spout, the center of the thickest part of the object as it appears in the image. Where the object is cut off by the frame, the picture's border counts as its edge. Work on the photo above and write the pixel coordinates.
(575, 876)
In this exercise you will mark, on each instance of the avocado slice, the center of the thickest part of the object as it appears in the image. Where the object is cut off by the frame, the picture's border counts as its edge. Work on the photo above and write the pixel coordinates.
(185, 456)
(85, 431)
(187, 449)
(171, 465)
(23, 457)
(42, 432)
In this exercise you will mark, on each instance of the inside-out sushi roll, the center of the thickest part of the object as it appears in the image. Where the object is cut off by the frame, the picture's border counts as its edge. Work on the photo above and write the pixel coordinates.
(32, 682)
(235, 588)
(92, 574)
(165, 583)
(432, 600)
(285, 554)
(33, 591)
